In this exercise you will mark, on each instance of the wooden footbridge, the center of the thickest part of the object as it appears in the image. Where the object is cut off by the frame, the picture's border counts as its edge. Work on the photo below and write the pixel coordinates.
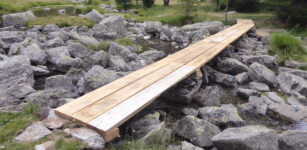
(106, 108)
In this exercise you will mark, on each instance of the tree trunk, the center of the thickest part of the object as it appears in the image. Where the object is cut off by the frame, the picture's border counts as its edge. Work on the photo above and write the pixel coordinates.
(166, 2)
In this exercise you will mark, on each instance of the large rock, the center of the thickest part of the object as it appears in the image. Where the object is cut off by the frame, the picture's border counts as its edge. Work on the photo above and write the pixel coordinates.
(256, 105)
(293, 140)
(33, 132)
(212, 26)
(220, 78)
(56, 42)
(297, 72)
(292, 84)
(152, 26)
(246, 93)
(159, 135)
(184, 91)
(91, 137)
(274, 97)
(246, 138)
(59, 82)
(97, 77)
(110, 28)
(288, 112)
(53, 121)
(35, 53)
(40, 70)
(86, 40)
(75, 74)
(51, 28)
(99, 58)
(232, 66)
(210, 96)
(151, 56)
(11, 37)
(261, 59)
(197, 131)
(118, 63)
(224, 116)
(145, 124)
(78, 50)
(45, 146)
(94, 15)
(262, 74)
(242, 78)
(259, 86)
(61, 58)
(18, 19)
(116, 49)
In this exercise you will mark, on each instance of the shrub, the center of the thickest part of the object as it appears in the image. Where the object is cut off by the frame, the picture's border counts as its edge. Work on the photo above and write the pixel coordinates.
(287, 47)
(123, 4)
(245, 5)
(62, 21)
(148, 3)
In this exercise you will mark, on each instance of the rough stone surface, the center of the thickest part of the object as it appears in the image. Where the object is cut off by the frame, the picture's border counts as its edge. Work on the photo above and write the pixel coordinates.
(256, 105)
(86, 40)
(188, 146)
(259, 86)
(242, 78)
(210, 96)
(224, 116)
(53, 121)
(18, 19)
(91, 137)
(45, 146)
(33, 132)
(78, 50)
(245, 93)
(293, 140)
(297, 72)
(197, 131)
(152, 26)
(59, 82)
(291, 84)
(231, 66)
(265, 60)
(262, 74)
(274, 97)
(110, 28)
(247, 138)
(190, 112)
(289, 113)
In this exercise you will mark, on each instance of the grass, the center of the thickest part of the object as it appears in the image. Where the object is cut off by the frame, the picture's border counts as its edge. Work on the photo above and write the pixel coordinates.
(68, 144)
(134, 145)
(287, 47)
(62, 21)
(101, 46)
(124, 41)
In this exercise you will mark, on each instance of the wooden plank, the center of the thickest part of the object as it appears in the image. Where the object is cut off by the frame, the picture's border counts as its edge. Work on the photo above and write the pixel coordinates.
(68, 109)
(125, 110)
(94, 110)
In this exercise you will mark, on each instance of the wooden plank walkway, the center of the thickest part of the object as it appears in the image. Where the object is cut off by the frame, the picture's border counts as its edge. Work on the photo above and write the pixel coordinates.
(106, 108)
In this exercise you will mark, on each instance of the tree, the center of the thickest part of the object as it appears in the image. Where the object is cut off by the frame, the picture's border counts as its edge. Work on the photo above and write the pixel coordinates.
(166, 2)
(124, 4)
(189, 6)
(245, 5)
(148, 3)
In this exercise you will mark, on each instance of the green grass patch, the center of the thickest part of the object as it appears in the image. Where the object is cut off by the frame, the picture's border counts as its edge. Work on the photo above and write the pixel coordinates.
(287, 47)
(62, 21)
(87, 9)
(124, 41)
(68, 144)
(103, 45)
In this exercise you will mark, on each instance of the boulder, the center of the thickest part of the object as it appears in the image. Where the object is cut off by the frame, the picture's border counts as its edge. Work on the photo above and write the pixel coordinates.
(97, 58)
(11, 37)
(274, 97)
(91, 137)
(152, 26)
(159, 135)
(224, 116)
(51, 28)
(118, 63)
(32, 133)
(151, 56)
(295, 64)
(184, 91)
(210, 96)
(35, 54)
(242, 78)
(293, 140)
(190, 112)
(256, 105)
(197, 131)
(86, 40)
(247, 138)
(188, 146)
(231, 66)
(78, 50)
(56, 42)
(45, 146)
(297, 72)
(94, 15)
(75, 74)
(260, 73)
(289, 113)
(53, 121)
(212, 26)
(246, 93)
(292, 84)
(111, 27)
(18, 19)
(40, 70)
(220, 78)
(259, 86)
(59, 82)
(97, 77)
(265, 60)
(58, 34)
(116, 49)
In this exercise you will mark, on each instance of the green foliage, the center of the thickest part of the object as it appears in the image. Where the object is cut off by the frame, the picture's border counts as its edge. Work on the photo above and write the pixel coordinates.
(84, 10)
(101, 46)
(124, 41)
(65, 144)
(287, 47)
(245, 5)
(123, 4)
(148, 3)
(176, 20)
(62, 21)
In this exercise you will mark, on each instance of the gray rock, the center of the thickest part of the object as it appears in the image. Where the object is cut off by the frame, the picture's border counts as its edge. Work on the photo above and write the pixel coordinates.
(144, 125)
(78, 50)
(53, 121)
(259, 86)
(75, 74)
(265, 60)
(49, 98)
(97, 77)
(291, 84)
(51, 28)
(289, 113)
(247, 138)
(274, 97)
(297, 72)
(184, 91)
(60, 34)
(36, 55)
(59, 82)
(210, 96)
(33, 132)
(16, 48)
(118, 63)
(224, 116)
(151, 56)
(198, 35)
(220, 78)
(60, 57)
(295, 64)
(190, 112)
(293, 140)
(188, 146)
(179, 37)
(256, 105)
(242, 78)
(56, 42)
(95, 15)
(116, 49)
(11, 37)
(111, 27)
(40, 70)
(295, 103)
(159, 135)
(45, 146)
(245, 93)
(197, 131)
(212, 26)
(18, 19)
(98, 58)
(152, 26)
(231, 66)
(86, 40)
(91, 137)
(262, 74)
